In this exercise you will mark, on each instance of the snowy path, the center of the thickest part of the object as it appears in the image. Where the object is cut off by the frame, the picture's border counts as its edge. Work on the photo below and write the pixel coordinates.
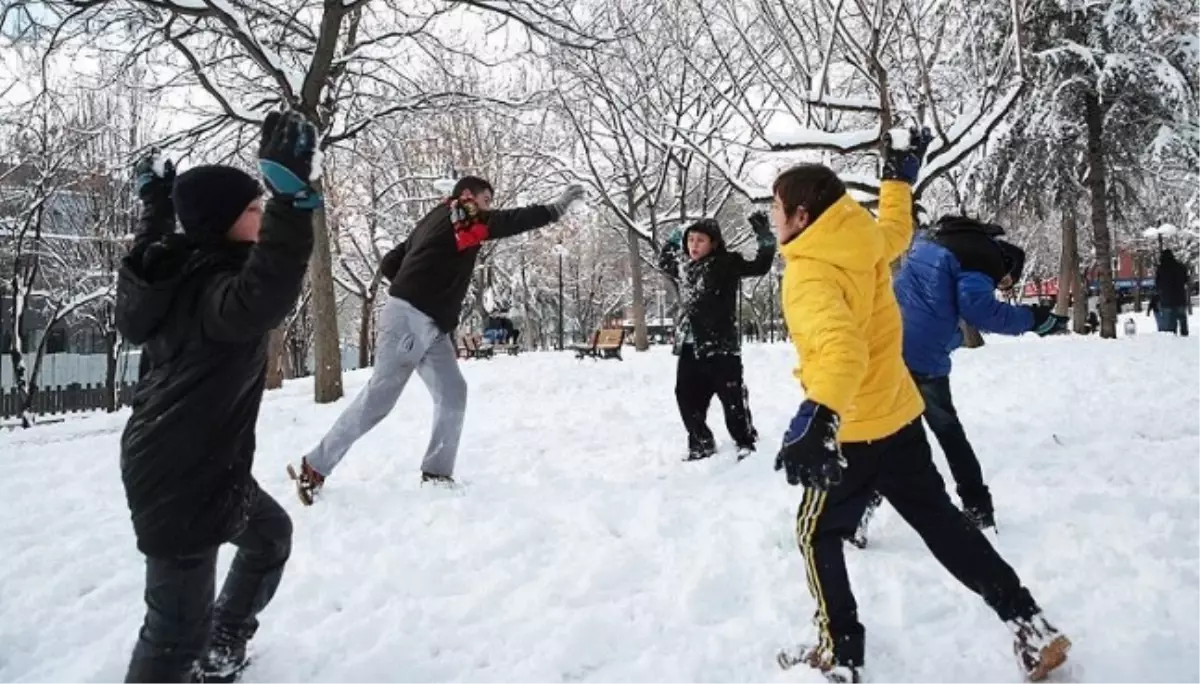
(583, 549)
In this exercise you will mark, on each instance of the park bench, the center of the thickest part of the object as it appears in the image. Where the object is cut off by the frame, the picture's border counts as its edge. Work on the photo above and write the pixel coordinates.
(603, 344)
(470, 346)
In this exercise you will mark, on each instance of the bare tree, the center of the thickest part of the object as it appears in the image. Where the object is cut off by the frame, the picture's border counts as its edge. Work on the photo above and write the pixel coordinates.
(345, 65)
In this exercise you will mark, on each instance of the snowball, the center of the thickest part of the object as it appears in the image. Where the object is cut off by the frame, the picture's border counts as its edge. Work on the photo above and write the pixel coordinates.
(158, 162)
(900, 139)
(318, 159)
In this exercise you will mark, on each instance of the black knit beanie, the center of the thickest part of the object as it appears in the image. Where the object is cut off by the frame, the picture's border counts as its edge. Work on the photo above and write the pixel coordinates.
(208, 199)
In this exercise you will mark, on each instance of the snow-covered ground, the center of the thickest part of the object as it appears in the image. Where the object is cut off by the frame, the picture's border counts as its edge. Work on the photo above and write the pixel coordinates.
(583, 549)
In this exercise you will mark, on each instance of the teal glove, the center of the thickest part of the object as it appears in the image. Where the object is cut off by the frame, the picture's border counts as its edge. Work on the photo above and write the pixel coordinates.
(285, 158)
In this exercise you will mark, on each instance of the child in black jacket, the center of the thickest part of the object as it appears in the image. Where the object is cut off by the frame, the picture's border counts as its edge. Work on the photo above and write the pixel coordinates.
(202, 304)
(707, 340)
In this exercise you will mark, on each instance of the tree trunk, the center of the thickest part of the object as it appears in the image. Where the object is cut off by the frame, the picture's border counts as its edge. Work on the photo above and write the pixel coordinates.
(111, 349)
(1080, 313)
(1139, 272)
(364, 331)
(640, 341)
(275, 358)
(1068, 265)
(971, 337)
(327, 356)
(1101, 238)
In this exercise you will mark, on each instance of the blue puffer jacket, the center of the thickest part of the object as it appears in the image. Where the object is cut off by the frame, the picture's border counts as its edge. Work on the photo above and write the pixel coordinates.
(934, 292)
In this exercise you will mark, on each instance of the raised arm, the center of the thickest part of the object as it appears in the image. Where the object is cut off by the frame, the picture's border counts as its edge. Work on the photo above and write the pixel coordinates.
(668, 256)
(904, 152)
(246, 304)
(895, 218)
(154, 177)
(761, 263)
(243, 305)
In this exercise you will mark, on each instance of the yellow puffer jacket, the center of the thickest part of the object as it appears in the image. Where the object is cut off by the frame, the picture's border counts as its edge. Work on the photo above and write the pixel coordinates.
(843, 317)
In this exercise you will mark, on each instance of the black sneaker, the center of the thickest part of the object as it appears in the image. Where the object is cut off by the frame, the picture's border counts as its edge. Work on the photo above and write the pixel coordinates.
(701, 452)
(744, 451)
(437, 480)
(985, 520)
(224, 661)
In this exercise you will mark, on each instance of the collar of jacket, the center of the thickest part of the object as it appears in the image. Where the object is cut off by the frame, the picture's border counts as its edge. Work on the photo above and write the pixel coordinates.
(845, 236)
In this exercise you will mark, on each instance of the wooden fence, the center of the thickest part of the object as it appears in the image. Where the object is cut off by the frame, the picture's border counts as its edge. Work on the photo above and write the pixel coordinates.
(70, 399)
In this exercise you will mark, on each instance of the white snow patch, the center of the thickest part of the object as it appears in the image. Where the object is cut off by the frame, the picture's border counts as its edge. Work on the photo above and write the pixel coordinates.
(583, 549)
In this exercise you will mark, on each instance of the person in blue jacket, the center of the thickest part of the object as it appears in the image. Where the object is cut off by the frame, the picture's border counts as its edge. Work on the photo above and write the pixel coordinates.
(949, 275)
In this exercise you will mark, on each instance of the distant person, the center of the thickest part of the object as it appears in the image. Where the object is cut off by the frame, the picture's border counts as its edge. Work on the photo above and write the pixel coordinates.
(1171, 281)
(707, 341)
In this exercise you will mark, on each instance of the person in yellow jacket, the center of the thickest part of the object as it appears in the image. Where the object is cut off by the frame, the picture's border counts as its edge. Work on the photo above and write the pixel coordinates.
(859, 430)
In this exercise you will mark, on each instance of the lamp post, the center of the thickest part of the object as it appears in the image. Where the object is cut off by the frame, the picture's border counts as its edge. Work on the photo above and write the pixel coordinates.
(561, 252)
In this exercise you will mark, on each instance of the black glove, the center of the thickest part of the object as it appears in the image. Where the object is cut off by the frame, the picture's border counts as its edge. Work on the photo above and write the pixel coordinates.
(811, 454)
(1045, 321)
(154, 177)
(760, 224)
(285, 157)
(904, 163)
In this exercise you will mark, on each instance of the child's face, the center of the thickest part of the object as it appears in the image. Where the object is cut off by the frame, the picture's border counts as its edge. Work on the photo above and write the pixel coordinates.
(699, 245)
(786, 227)
(246, 227)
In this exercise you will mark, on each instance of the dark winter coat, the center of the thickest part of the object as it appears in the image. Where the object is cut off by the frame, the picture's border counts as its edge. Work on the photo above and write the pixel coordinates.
(203, 311)
(946, 277)
(1171, 281)
(432, 268)
(708, 290)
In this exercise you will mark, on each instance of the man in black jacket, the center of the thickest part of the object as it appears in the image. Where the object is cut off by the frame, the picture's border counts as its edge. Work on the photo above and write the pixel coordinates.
(1171, 282)
(430, 273)
(202, 304)
(707, 340)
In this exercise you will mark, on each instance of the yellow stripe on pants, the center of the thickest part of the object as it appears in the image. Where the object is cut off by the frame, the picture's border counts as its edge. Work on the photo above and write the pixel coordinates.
(811, 507)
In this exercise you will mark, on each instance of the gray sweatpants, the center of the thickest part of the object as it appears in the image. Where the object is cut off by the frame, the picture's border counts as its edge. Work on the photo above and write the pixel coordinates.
(408, 340)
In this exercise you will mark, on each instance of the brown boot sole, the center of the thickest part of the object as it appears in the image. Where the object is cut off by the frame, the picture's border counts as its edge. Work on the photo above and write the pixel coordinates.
(305, 497)
(1052, 657)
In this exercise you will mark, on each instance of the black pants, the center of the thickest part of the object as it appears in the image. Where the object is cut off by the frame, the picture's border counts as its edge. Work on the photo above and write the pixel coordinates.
(696, 381)
(901, 468)
(1175, 318)
(964, 465)
(180, 613)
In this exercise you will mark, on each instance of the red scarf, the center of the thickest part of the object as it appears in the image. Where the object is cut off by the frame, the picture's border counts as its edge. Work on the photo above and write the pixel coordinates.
(469, 228)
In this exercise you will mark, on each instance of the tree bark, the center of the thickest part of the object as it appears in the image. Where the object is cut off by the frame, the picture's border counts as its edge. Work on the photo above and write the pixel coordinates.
(1068, 265)
(640, 340)
(275, 352)
(1102, 238)
(364, 331)
(1080, 313)
(111, 347)
(327, 357)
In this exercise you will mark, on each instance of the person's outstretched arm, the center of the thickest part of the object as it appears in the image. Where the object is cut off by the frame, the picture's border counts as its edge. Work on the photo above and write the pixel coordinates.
(978, 306)
(760, 265)
(509, 222)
